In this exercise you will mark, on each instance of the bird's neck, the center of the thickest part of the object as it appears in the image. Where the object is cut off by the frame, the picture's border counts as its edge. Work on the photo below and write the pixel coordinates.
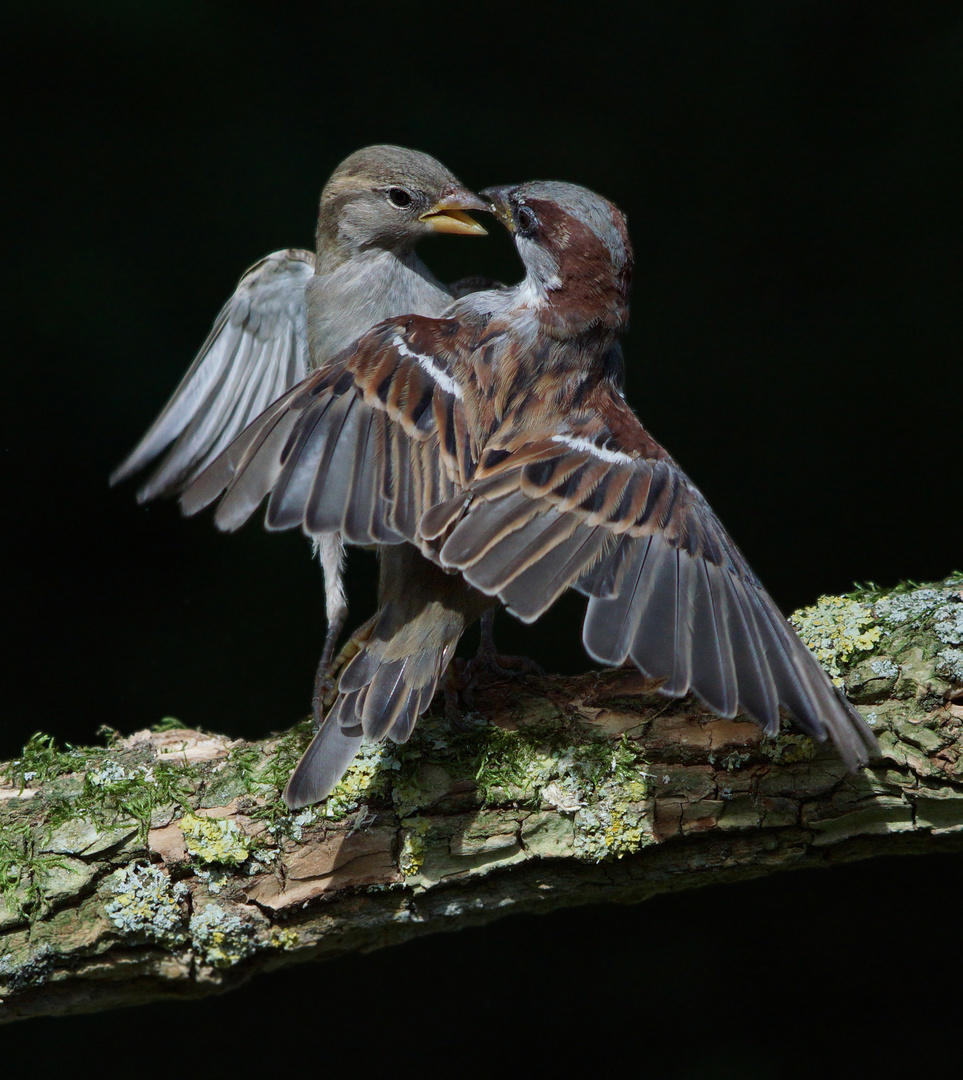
(346, 297)
(575, 312)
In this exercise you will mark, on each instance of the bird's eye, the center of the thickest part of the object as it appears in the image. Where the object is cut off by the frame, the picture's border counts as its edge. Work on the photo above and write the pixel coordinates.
(526, 220)
(399, 197)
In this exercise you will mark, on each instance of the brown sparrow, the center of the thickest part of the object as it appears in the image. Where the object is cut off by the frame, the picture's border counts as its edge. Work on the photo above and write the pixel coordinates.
(293, 311)
(493, 451)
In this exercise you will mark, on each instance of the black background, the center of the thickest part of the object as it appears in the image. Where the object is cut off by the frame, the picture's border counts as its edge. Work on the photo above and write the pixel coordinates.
(792, 176)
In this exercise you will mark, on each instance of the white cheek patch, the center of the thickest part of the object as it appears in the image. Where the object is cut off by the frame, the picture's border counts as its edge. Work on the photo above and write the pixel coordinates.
(529, 295)
(429, 365)
(614, 457)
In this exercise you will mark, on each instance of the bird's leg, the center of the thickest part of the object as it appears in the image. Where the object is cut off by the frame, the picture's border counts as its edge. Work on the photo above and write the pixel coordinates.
(326, 677)
(330, 552)
(489, 659)
(465, 675)
(458, 692)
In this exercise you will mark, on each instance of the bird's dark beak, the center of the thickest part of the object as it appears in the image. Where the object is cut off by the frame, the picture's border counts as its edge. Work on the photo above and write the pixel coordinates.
(500, 205)
(448, 214)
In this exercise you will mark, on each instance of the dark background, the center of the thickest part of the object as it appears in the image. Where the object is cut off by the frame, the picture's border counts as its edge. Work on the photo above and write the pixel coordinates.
(792, 176)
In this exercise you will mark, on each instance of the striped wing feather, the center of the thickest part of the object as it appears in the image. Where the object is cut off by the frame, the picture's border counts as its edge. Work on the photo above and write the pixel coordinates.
(361, 447)
(667, 587)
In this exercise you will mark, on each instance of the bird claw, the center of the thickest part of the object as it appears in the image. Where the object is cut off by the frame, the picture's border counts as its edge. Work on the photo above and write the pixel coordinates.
(327, 676)
(504, 664)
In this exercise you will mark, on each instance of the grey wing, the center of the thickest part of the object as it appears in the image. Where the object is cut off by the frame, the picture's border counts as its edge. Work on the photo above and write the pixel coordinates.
(256, 350)
(667, 587)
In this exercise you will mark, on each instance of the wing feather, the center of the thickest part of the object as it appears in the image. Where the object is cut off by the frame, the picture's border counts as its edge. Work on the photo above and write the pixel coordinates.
(256, 349)
(370, 421)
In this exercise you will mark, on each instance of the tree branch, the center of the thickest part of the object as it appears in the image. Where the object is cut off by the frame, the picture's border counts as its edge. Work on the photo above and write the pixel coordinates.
(165, 865)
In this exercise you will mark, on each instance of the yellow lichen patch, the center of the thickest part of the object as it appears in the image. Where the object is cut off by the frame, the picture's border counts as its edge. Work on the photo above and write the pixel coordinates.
(220, 938)
(214, 840)
(836, 629)
(413, 845)
(618, 824)
(282, 938)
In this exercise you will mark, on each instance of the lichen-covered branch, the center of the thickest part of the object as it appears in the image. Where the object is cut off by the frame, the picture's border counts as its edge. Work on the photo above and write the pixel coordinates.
(164, 864)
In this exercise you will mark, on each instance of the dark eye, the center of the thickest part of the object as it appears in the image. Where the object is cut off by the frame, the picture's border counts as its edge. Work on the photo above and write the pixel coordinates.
(399, 197)
(526, 220)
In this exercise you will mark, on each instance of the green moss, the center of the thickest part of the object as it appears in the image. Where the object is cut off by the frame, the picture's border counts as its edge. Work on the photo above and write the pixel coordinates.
(262, 774)
(99, 784)
(214, 840)
(42, 761)
(169, 723)
(25, 872)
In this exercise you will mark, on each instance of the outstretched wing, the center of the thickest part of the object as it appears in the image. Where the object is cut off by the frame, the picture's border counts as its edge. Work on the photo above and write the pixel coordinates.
(257, 349)
(361, 447)
(607, 512)
(377, 445)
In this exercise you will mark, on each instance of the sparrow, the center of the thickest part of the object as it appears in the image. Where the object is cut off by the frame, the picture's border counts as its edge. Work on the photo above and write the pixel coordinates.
(494, 449)
(293, 311)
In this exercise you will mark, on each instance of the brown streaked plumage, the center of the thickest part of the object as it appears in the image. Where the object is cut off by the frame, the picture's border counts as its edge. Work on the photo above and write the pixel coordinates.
(295, 310)
(496, 440)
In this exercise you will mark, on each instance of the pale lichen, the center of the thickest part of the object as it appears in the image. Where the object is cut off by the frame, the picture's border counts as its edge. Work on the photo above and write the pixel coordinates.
(617, 823)
(909, 608)
(145, 904)
(214, 840)
(732, 761)
(836, 629)
(28, 968)
(598, 787)
(884, 669)
(949, 623)
(601, 784)
(949, 665)
(220, 937)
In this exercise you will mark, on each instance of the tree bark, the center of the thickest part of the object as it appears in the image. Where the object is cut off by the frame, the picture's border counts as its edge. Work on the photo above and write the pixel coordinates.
(165, 865)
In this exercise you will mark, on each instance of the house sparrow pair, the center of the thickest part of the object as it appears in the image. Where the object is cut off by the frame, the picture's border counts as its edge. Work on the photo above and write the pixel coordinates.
(491, 455)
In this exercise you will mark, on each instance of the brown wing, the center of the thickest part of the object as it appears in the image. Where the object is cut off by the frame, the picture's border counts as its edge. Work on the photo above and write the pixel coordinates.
(362, 447)
(667, 587)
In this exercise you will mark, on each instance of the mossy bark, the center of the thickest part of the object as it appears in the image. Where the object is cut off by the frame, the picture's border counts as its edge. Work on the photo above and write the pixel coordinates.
(164, 864)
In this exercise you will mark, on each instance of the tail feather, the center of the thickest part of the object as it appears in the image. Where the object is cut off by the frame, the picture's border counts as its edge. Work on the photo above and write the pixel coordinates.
(324, 762)
(391, 680)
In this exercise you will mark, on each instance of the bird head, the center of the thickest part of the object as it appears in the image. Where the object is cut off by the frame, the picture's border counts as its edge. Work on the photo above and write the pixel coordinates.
(390, 197)
(576, 251)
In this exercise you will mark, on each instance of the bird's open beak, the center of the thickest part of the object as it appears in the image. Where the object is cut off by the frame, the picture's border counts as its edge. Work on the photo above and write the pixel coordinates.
(448, 214)
(499, 205)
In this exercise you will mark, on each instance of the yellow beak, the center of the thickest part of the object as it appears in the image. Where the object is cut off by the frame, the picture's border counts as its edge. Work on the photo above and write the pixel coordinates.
(448, 214)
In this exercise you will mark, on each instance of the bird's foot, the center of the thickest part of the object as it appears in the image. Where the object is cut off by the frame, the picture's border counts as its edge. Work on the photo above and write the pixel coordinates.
(490, 663)
(327, 675)
(458, 695)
